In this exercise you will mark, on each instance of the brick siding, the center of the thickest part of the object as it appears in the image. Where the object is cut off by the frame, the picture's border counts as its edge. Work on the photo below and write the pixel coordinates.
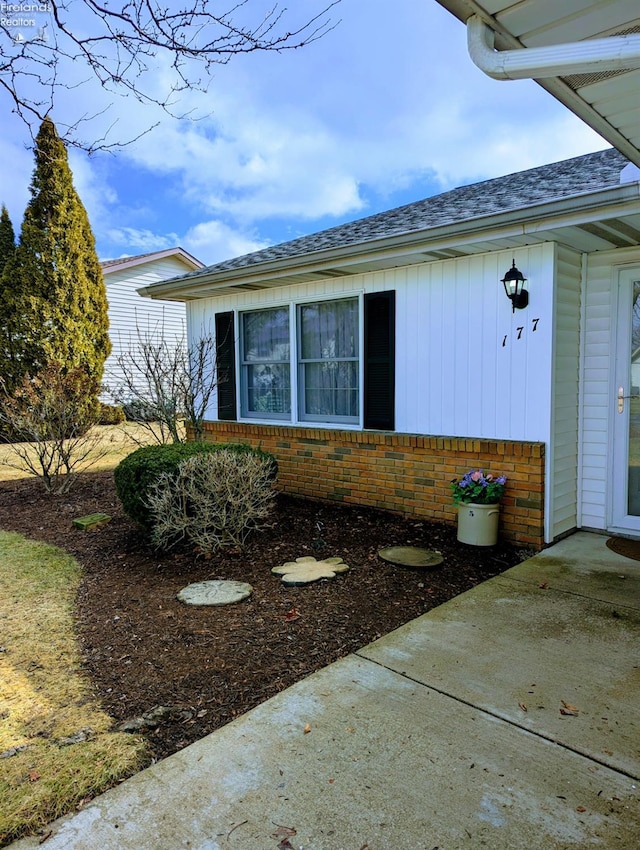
(403, 473)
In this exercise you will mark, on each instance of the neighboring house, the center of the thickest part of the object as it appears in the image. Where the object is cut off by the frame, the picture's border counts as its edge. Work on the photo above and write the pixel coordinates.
(381, 358)
(131, 316)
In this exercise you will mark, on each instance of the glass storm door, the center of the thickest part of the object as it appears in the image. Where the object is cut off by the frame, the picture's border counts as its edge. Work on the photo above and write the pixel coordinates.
(626, 430)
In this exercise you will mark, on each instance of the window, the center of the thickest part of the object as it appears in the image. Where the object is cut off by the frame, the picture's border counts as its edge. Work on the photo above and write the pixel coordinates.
(313, 354)
(266, 378)
(328, 361)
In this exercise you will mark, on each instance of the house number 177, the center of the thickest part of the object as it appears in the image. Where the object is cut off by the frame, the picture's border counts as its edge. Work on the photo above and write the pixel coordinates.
(520, 330)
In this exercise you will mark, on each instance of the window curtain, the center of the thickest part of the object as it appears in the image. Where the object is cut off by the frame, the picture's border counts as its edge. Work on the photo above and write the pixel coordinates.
(266, 352)
(329, 359)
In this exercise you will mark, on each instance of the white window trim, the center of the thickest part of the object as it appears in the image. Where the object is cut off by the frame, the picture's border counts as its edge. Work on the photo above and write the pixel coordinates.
(300, 367)
(242, 389)
(294, 419)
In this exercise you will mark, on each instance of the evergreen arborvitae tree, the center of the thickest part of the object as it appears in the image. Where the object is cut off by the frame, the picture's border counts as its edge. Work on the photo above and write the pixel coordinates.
(7, 252)
(53, 284)
(7, 239)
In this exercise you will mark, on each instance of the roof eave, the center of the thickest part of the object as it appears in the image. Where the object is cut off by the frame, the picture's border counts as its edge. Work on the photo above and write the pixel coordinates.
(556, 86)
(131, 262)
(567, 96)
(588, 207)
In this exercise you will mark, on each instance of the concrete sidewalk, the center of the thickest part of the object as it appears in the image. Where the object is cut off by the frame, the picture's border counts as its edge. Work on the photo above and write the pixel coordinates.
(507, 718)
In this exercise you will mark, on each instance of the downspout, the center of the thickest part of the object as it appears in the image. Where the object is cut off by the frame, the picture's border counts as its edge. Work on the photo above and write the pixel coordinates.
(581, 390)
(615, 53)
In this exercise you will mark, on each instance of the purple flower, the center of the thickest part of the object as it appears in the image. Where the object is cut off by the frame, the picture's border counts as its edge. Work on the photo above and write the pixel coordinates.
(475, 486)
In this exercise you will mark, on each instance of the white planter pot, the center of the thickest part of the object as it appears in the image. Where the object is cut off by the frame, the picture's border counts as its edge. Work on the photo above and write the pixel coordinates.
(478, 524)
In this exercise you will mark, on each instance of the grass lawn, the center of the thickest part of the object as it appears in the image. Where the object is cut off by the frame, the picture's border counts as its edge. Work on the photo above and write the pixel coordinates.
(56, 749)
(55, 741)
(116, 442)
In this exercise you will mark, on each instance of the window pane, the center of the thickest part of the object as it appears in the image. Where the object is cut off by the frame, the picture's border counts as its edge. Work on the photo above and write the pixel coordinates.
(329, 329)
(331, 389)
(266, 335)
(268, 388)
(266, 374)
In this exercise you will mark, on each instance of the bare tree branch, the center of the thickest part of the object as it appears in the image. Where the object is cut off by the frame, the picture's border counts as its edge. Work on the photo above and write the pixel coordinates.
(48, 423)
(165, 384)
(119, 46)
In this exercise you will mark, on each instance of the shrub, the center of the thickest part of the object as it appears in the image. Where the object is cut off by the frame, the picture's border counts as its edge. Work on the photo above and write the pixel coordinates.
(110, 414)
(216, 500)
(142, 469)
(136, 410)
(48, 422)
(165, 384)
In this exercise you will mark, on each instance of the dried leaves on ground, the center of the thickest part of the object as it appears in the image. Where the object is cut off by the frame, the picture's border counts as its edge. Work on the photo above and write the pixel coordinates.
(143, 649)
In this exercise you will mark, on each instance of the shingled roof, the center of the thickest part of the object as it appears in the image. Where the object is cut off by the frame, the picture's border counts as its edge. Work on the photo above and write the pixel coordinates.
(137, 259)
(570, 177)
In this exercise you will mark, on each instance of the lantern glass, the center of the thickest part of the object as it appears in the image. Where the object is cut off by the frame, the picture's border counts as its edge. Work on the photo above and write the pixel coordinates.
(513, 283)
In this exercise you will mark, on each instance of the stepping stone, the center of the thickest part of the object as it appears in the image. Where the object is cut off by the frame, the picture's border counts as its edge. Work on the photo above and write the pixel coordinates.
(307, 569)
(411, 556)
(215, 592)
(90, 522)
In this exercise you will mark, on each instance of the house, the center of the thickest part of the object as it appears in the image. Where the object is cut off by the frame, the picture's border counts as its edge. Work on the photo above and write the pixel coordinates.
(130, 315)
(381, 358)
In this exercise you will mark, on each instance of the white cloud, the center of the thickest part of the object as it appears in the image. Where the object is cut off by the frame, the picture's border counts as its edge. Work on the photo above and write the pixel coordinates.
(298, 136)
(209, 241)
(388, 101)
(486, 132)
(97, 196)
(142, 241)
(265, 162)
(214, 241)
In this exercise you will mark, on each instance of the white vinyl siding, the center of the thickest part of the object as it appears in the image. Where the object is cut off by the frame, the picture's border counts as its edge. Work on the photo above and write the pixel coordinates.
(466, 365)
(129, 312)
(562, 459)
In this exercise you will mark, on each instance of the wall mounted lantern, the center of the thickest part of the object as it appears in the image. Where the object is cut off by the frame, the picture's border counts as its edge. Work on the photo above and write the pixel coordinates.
(514, 282)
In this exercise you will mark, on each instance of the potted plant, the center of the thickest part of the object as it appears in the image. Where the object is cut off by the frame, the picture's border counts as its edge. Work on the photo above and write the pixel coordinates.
(478, 497)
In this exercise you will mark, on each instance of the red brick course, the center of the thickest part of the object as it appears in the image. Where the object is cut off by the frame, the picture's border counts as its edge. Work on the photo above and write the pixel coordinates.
(404, 473)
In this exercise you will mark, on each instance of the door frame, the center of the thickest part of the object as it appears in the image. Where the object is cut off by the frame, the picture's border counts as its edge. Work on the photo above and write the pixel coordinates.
(619, 519)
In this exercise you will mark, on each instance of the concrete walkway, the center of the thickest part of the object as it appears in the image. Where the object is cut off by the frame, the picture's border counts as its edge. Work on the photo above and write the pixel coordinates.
(508, 718)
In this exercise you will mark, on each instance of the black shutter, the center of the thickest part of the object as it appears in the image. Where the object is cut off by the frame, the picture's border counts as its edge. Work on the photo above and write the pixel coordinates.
(226, 366)
(379, 360)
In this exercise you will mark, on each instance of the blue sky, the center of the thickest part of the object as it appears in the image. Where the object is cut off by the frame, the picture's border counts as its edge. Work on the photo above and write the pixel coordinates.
(386, 109)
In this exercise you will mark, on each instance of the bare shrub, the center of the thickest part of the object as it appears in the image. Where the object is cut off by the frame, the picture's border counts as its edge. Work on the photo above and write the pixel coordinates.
(164, 383)
(47, 422)
(217, 500)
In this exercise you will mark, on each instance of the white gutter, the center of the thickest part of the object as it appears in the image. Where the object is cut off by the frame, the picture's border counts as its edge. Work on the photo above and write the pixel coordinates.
(616, 53)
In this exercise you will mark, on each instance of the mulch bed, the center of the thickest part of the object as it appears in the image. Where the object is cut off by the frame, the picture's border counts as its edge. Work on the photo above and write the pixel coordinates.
(143, 648)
